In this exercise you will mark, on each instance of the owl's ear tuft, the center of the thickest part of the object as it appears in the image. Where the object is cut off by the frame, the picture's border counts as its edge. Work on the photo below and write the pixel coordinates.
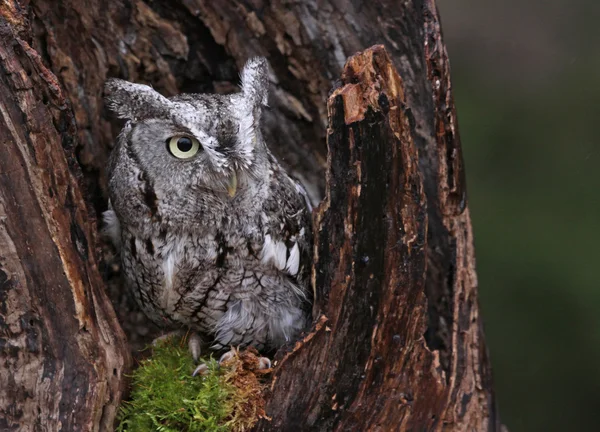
(134, 101)
(255, 81)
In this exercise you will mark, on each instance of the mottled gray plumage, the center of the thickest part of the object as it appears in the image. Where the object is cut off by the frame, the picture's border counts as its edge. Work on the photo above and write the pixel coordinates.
(219, 242)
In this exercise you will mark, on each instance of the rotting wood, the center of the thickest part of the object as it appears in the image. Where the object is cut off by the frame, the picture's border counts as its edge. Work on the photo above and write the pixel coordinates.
(367, 365)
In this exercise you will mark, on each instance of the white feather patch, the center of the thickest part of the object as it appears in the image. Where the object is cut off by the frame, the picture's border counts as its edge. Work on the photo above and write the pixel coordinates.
(170, 296)
(169, 270)
(274, 251)
(293, 262)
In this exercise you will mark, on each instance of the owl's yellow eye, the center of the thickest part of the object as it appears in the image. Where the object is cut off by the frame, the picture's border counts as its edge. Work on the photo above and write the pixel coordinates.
(183, 147)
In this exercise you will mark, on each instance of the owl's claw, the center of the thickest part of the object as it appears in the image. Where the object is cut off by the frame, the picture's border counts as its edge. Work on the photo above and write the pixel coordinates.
(202, 369)
(264, 363)
(193, 339)
(194, 344)
(228, 356)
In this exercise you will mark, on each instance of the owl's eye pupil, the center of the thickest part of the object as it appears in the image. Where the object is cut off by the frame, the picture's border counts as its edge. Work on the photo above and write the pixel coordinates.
(184, 144)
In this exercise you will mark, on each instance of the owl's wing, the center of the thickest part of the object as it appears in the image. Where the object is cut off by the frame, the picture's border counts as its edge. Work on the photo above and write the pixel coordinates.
(287, 220)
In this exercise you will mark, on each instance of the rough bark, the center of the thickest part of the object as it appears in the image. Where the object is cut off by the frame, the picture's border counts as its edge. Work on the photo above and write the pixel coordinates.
(415, 324)
(367, 364)
(62, 351)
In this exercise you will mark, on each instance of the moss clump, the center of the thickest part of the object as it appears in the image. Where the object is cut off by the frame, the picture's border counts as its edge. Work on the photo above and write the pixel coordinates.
(165, 397)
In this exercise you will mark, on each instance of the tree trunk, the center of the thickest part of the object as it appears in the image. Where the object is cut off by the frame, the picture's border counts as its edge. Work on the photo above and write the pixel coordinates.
(62, 351)
(398, 342)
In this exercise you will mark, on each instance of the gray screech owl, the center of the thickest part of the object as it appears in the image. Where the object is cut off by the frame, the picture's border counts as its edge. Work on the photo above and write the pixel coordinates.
(213, 234)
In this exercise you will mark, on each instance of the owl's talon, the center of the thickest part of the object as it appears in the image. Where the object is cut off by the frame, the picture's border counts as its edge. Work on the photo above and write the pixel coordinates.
(194, 344)
(264, 363)
(227, 356)
(202, 369)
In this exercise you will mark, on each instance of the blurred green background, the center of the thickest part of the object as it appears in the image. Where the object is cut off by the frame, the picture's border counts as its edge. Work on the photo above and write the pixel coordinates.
(527, 88)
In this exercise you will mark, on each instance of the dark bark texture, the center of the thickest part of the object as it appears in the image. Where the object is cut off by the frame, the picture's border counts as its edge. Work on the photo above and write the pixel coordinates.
(398, 342)
(370, 363)
(62, 351)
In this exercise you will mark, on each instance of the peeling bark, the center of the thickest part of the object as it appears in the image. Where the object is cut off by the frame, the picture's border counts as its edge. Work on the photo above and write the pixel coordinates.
(401, 349)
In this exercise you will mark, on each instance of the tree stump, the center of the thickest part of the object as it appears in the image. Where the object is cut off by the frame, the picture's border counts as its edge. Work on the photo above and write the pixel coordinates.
(367, 365)
(397, 342)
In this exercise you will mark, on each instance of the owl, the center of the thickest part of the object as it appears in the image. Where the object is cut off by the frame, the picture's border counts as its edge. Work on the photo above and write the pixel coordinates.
(214, 236)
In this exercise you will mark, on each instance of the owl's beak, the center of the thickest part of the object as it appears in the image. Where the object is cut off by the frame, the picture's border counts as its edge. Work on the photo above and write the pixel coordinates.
(232, 184)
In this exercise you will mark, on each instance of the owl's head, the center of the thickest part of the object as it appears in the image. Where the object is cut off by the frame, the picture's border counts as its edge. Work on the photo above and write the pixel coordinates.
(195, 142)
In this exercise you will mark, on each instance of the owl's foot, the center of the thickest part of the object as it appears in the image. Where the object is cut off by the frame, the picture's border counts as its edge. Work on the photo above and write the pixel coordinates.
(232, 353)
(193, 340)
(203, 367)
(262, 363)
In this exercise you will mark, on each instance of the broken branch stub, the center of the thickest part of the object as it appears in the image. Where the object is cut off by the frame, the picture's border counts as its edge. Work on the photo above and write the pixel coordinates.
(366, 363)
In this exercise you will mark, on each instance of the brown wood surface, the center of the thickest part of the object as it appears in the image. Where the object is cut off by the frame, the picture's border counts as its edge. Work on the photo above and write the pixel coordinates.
(62, 351)
(402, 349)
(367, 364)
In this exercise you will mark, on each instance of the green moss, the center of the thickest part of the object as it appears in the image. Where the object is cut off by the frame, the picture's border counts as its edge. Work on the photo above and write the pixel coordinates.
(165, 397)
